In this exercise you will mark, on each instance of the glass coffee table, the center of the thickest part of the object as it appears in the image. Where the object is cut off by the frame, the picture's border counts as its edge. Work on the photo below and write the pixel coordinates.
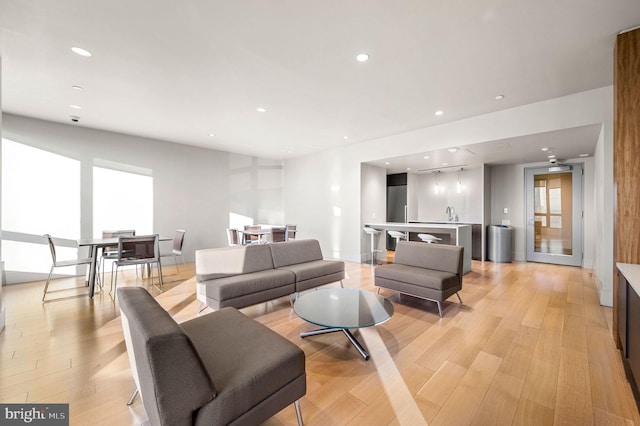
(340, 309)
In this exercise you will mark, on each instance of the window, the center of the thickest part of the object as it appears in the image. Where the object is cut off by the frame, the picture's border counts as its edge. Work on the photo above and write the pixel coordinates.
(40, 195)
(122, 200)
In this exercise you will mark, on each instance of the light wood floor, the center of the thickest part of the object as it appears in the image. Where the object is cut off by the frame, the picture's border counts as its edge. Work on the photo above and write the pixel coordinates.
(530, 345)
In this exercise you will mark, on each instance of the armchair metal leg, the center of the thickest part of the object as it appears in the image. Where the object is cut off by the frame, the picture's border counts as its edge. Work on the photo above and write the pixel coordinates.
(459, 297)
(133, 396)
(296, 404)
(439, 308)
(378, 291)
(341, 284)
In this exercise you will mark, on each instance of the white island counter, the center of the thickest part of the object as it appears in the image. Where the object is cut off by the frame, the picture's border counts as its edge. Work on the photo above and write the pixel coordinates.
(456, 234)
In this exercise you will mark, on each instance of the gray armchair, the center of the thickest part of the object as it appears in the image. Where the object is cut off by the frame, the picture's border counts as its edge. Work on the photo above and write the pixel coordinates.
(218, 369)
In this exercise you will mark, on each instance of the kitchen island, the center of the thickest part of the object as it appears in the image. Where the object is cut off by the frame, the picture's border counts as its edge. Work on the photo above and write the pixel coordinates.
(455, 234)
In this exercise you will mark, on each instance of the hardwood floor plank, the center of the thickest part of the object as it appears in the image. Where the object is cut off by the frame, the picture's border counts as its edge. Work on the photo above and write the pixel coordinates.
(460, 408)
(501, 401)
(573, 401)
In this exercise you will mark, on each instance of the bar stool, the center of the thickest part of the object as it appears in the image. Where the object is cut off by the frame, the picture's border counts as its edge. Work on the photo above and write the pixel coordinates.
(397, 235)
(428, 238)
(373, 233)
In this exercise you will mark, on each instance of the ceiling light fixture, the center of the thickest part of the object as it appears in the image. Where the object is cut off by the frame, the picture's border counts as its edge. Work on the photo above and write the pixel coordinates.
(551, 156)
(76, 87)
(75, 106)
(345, 137)
(408, 169)
(459, 184)
(439, 113)
(452, 149)
(499, 97)
(445, 164)
(362, 57)
(544, 149)
(80, 51)
(426, 157)
(583, 155)
(212, 135)
(387, 163)
(260, 109)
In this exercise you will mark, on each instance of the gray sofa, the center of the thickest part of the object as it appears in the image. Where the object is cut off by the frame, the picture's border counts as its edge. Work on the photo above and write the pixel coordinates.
(429, 271)
(218, 369)
(246, 275)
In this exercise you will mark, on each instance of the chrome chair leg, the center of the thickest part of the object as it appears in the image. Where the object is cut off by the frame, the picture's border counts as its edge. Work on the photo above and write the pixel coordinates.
(439, 309)
(296, 404)
(46, 286)
(459, 297)
(133, 396)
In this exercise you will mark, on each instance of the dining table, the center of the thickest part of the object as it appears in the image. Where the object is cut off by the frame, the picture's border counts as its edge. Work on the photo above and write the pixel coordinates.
(95, 244)
(260, 232)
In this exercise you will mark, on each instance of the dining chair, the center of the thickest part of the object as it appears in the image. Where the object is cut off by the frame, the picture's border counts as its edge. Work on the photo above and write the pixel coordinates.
(291, 232)
(178, 242)
(111, 252)
(278, 234)
(60, 264)
(251, 239)
(137, 251)
(232, 237)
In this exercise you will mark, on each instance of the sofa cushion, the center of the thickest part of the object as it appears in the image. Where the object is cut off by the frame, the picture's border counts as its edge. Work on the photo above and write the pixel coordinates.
(244, 377)
(295, 252)
(433, 279)
(229, 261)
(439, 257)
(317, 268)
(240, 285)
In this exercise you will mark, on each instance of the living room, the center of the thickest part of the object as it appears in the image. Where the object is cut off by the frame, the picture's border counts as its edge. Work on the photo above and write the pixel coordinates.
(322, 190)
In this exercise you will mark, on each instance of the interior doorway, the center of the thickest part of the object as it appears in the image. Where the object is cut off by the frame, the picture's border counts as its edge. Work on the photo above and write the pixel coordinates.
(554, 214)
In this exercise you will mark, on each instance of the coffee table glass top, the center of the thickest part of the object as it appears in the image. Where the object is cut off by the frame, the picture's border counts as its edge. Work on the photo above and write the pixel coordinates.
(343, 308)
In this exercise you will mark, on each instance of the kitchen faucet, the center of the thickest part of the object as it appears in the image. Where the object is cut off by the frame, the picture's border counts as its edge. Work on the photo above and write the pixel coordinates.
(449, 212)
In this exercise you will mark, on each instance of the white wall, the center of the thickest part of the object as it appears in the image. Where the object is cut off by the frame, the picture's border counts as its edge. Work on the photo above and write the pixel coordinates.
(604, 201)
(194, 188)
(308, 178)
(466, 204)
(374, 204)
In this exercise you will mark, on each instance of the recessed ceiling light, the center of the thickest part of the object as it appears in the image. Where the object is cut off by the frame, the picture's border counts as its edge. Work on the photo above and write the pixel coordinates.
(76, 87)
(544, 149)
(75, 106)
(408, 168)
(387, 163)
(261, 109)
(499, 97)
(583, 155)
(362, 57)
(445, 164)
(426, 157)
(213, 135)
(551, 156)
(345, 137)
(452, 149)
(80, 51)
(439, 113)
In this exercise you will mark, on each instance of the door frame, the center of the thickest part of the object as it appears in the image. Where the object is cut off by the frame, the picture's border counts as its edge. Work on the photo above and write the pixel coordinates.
(577, 215)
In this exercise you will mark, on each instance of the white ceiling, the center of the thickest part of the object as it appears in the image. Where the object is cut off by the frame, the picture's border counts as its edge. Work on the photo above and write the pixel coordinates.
(179, 70)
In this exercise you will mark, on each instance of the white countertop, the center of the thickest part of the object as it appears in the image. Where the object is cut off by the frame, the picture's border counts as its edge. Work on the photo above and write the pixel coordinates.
(417, 225)
(632, 273)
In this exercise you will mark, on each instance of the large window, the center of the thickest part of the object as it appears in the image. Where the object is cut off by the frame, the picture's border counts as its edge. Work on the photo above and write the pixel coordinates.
(40, 195)
(122, 200)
